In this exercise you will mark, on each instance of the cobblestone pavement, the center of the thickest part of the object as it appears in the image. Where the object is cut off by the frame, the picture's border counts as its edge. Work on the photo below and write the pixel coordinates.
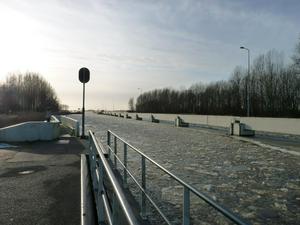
(260, 184)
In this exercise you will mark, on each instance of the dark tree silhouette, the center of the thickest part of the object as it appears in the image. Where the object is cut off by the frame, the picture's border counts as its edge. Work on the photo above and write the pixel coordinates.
(274, 91)
(28, 92)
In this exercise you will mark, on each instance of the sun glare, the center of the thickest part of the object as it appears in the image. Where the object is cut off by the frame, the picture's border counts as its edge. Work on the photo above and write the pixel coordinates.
(21, 43)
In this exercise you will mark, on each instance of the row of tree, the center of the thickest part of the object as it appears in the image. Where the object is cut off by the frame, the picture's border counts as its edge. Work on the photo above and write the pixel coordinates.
(27, 92)
(274, 90)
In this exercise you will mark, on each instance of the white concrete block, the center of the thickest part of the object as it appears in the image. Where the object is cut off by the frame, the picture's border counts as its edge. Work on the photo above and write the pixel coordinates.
(30, 131)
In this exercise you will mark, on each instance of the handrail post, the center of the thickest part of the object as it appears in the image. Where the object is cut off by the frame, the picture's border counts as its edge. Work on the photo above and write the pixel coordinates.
(120, 205)
(186, 206)
(101, 213)
(108, 142)
(93, 168)
(115, 210)
(143, 196)
(115, 151)
(77, 129)
(125, 166)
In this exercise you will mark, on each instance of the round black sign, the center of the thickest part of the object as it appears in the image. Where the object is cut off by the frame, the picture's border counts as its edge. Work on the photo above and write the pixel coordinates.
(84, 75)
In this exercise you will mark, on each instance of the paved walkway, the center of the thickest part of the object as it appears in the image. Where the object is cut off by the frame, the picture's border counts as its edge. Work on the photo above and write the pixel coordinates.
(260, 183)
(40, 183)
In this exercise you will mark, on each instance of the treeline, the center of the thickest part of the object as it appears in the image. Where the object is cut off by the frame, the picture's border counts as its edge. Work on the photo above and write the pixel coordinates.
(274, 90)
(27, 92)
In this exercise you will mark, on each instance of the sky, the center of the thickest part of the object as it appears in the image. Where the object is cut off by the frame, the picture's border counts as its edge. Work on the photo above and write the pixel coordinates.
(133, 46)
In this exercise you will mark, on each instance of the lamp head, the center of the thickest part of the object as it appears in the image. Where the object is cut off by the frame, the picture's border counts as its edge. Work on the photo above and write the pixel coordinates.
(242, 47)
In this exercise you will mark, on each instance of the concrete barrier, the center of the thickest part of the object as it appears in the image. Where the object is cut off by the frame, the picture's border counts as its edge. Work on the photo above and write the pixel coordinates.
(266, 124)
(154, 120)
(71, 124)
(240, 129)
(179, 122)
(137, 117)
(31, 131)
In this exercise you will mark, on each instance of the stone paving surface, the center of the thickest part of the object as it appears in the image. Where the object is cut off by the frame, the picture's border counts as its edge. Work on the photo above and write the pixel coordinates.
(261, 184)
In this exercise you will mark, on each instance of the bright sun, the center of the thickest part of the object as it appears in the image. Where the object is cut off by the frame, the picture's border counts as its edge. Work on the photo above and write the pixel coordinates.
(21, 43)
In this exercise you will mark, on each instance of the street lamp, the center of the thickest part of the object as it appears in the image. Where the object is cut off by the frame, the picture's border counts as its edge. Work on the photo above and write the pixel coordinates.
(247, 81)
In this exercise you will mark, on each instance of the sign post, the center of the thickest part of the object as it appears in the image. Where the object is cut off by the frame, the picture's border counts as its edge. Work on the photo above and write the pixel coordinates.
(84, 77)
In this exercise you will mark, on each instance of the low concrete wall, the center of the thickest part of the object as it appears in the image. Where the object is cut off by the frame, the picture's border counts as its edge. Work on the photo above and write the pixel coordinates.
(31, 131)
(71, 123)
(276, 125)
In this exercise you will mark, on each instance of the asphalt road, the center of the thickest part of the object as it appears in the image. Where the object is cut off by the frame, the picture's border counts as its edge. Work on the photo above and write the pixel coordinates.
(40, 183)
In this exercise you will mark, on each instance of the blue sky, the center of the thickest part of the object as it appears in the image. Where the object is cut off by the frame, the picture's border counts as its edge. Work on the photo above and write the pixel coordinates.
(146, 44)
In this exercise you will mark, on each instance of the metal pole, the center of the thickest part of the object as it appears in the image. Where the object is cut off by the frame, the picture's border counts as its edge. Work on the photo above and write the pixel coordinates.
(143, 196)
(115, 151)
(115, 213)
(248, 81)
(100, 191)
(83, 101)
(125, 165)
(186, 206)
(108, 143)
(248, 92)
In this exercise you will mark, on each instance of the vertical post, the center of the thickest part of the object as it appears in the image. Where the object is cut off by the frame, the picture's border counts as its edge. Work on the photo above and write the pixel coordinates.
(115, 151)
(248, 84)
(77, 129)
(186, 206)
(93, 170)
(115, 213)
(108, 142)
(90, 155)
(90, 141)
(143, 196)
(84, 77)
(83, 101)
(125, 166)
(100, 191)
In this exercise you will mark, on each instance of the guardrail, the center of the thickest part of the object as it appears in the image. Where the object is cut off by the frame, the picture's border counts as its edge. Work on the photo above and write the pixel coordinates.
(100, 170)
(71, 124)
(187, 189)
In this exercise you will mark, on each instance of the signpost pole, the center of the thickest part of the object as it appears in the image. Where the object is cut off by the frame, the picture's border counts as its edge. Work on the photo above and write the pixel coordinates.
(84, 77)
(83, 112)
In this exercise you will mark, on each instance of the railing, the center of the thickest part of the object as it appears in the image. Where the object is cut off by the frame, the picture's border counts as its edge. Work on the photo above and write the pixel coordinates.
(71, 124)
(187, 189)
(100, 169)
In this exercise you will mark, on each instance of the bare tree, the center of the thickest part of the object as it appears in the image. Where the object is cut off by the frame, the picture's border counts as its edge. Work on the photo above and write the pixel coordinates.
(274, 91)
(131, 104)
(28, 92)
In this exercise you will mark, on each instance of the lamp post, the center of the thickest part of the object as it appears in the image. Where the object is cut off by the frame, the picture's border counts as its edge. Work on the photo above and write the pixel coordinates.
(247, 81)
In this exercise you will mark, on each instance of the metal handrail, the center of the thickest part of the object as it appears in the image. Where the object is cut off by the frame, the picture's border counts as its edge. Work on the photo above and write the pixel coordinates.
(187, 188)
(101, 199)
(143, 190)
